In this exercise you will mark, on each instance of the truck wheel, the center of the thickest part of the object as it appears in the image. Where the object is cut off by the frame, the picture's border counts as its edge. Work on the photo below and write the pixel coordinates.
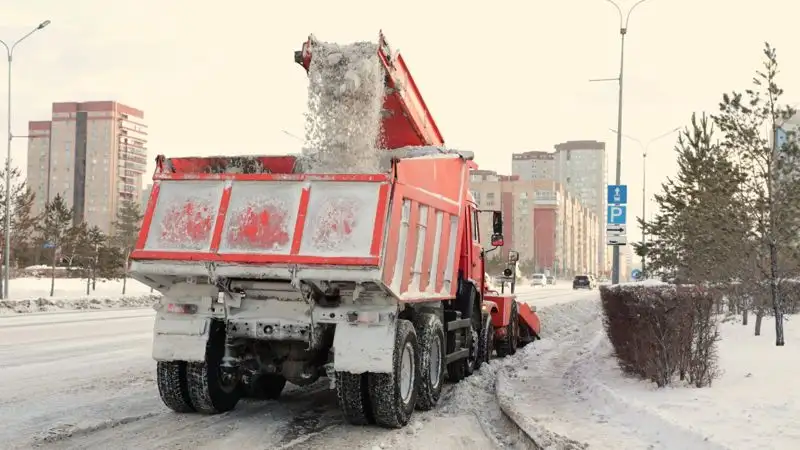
(525, 335)
(172, 387)
(486, 340)
(353, 397)
(430, 332)
(208, 389)
(394, 395)
(471, 363)
(264, 386)
(508, 345)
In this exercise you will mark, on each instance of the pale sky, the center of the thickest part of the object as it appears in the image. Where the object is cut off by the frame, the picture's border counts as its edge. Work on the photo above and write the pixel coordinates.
(219, 77)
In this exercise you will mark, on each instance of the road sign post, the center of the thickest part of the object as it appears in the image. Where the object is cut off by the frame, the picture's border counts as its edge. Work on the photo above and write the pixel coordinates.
(616, 223)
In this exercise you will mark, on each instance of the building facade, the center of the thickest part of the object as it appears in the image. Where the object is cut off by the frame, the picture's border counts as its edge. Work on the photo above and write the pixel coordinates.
(580, 168)
(93, 153)
(547, 225)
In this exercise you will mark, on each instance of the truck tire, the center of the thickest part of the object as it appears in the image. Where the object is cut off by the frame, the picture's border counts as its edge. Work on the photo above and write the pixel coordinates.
(508, 345)
(472, 362)
(394, 395)
(210, 394)
(486, 340)
(172, 387)
(264, 386)
(430, 332)
(352, 394)
(525, 335)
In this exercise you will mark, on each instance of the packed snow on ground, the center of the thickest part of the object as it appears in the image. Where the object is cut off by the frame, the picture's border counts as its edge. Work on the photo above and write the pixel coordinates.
(567, 391)
(33, 295)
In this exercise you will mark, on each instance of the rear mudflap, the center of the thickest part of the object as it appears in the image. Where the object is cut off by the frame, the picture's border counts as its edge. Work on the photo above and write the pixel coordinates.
(179, 338)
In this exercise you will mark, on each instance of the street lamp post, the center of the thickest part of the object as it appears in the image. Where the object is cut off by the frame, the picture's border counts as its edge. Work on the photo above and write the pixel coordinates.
(645, 148)
(7, 247)
(623, 30)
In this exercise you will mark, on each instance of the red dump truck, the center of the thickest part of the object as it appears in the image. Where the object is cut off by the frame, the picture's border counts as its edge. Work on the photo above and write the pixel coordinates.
(375, 281)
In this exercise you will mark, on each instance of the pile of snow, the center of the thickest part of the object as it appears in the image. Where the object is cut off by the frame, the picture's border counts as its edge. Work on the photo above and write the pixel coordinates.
(567, 391)
(345, 101)
(33, 295)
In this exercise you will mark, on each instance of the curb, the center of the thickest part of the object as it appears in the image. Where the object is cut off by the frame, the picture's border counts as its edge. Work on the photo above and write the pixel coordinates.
(510, 412)
(538, 437)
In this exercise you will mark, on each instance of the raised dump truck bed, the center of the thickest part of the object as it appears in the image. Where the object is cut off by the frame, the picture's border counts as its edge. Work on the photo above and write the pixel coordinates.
(397, 230)
(407, 121)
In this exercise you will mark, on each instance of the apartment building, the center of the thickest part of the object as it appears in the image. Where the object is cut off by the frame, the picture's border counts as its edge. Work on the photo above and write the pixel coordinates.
(542, 221)
(534, 165)
(92, 153)
(580, 167)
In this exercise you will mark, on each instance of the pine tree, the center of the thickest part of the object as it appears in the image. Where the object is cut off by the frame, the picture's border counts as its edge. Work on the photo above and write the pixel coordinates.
(23, 228)
(126, 232)
(493, 264)
(527, 267)
(698, 231)
(96, 240)
(772, 191)
(54, 230)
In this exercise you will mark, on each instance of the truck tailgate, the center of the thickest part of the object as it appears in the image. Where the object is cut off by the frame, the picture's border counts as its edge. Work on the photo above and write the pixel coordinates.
(265, 219)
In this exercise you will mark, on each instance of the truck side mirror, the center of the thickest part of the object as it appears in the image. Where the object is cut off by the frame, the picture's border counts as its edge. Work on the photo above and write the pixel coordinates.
(497, 229)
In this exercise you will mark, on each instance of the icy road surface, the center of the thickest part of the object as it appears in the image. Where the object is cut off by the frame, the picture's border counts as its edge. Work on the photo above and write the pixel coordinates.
(85, 380)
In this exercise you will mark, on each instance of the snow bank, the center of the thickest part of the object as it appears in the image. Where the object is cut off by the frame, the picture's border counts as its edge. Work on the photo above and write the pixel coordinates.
(567, 391)
(33, 295)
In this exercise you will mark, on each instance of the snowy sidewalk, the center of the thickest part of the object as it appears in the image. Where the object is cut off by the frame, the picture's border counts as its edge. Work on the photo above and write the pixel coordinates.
(33, 295)
(567, 392)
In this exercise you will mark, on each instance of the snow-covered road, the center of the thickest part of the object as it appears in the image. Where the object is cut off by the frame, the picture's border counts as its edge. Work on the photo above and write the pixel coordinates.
(83, 380)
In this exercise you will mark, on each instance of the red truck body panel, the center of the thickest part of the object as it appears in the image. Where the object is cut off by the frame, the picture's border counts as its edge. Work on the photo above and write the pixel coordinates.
(407, 223)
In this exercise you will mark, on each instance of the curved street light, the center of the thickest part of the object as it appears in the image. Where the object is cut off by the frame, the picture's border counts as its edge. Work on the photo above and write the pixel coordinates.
(624, 19)
(7, 247)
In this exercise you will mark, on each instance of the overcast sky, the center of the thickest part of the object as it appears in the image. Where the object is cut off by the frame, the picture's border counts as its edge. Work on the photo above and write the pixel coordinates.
(219, 77)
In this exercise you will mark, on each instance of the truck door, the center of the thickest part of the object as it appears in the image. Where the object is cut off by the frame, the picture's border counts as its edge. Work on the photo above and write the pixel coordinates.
(477, 267)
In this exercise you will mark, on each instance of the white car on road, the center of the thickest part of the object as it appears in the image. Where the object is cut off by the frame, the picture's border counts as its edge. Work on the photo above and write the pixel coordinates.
(539, 279)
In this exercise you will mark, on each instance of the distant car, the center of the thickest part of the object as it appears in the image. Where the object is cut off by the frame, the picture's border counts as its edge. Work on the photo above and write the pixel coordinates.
(538, 279)
(583, 282)
(551, 280)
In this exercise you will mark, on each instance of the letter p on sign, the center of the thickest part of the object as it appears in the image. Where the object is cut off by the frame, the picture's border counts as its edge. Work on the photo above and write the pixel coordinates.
(616, 215)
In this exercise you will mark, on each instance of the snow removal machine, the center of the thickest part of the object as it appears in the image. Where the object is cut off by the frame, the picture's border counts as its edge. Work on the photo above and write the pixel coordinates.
(374, 281)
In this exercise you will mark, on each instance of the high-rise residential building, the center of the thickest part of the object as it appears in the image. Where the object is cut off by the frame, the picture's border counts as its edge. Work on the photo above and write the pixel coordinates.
(541, 221)
(580, 167)
(534, 165)
(92, 153)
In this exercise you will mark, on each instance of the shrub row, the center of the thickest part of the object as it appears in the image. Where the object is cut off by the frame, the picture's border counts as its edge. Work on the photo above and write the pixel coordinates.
(661, 332)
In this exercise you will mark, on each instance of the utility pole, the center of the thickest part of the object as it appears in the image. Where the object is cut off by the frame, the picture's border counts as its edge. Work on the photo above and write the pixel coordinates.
(623, 31)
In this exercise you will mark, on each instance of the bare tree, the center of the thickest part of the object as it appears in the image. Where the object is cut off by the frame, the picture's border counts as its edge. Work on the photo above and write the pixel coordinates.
(772, 191)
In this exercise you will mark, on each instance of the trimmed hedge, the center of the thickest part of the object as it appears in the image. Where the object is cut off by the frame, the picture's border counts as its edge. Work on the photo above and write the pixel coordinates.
(661, 332)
